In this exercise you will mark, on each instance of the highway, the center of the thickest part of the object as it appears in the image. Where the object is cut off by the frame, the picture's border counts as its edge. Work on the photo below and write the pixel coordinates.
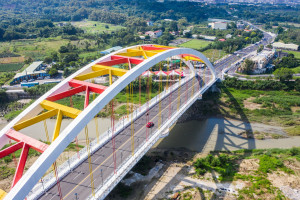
(79, 181)
(77, 184)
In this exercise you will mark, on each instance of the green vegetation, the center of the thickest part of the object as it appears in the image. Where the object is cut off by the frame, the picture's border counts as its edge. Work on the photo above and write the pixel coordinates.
(283, 74)
(214, 54)
(296, 70)
(96, 26)
(258, 184)
(6, 172)
(10, 67)
(5, 77)
(195, 44)
(270, 106)
(295, 53)
(223, 164)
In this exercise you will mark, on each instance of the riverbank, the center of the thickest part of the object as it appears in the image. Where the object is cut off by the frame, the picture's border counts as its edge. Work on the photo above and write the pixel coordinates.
(250, 174)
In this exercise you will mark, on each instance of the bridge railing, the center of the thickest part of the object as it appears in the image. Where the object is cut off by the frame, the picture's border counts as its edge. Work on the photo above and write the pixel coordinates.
(49, 180)
(113, 179)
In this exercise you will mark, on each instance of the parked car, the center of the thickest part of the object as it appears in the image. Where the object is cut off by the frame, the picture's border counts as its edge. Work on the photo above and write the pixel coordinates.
(150, 125)
(40, 78)
(24, 81)
(31, 80)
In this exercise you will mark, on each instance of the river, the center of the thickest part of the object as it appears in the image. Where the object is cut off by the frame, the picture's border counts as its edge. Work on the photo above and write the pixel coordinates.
(196, 135)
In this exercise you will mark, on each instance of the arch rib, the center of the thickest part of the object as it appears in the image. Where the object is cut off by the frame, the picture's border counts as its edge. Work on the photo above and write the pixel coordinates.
(37, 170)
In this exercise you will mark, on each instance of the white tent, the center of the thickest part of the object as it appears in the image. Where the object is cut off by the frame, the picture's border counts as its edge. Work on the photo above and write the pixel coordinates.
(147, 73)
(160, 73)
(174, 73)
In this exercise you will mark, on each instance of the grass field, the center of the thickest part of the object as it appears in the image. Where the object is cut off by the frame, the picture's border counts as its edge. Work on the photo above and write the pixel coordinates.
(10, 67)
(36, 49)
(214, 54)
(280, 108)
(296, 70)
(195, 44)
(96, 27)
(296, 53)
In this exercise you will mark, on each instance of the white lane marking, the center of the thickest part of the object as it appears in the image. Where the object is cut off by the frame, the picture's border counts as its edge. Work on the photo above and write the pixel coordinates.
(76, 176)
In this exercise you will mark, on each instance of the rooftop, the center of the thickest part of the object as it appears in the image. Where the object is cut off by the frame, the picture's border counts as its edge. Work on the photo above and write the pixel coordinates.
(31, 69)
(107, 51)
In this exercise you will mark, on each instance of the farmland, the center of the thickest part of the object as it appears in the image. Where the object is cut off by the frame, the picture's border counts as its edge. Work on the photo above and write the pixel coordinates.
(9, 67)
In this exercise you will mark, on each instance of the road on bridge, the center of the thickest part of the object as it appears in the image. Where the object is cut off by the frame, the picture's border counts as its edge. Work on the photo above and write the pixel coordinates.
(78, 182)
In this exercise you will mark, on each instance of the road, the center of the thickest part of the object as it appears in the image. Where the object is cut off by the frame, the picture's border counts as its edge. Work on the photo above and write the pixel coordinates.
(78, 182)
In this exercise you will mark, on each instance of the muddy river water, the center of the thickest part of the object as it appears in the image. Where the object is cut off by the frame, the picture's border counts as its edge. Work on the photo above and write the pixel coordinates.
(200, 136)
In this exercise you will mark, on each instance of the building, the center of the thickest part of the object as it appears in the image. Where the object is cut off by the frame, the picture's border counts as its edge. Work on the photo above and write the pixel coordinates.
(218, 25)
(228, 36)
(280, 45)
(207, 37)
(240, 26)
(261, 61)
(158, 33)
(108, 51)
(186, 31)
(35, 70)
(154, 34)
(150, 23)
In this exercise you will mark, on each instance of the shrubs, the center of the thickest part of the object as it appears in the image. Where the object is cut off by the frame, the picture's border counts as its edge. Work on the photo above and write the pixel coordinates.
(268, 163)
(223, 164)
(262, 84)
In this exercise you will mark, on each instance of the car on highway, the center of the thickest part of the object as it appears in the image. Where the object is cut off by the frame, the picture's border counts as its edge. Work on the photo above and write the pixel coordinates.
(149, 124)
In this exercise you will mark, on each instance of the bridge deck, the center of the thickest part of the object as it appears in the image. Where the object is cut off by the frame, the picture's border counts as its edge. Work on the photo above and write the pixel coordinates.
(79, 181)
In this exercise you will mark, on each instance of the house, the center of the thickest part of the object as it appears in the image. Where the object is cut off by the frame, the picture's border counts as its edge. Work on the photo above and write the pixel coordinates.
(150, 33)
(240, 26)
(186, 31)
(207, 37)
(218, 25)
(158, 33)
(228, 36)
(154, 34)
(150, 23)
(194, 36)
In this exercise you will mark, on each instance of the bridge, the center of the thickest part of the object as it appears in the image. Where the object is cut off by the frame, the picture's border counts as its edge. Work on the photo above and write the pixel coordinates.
(96, 169)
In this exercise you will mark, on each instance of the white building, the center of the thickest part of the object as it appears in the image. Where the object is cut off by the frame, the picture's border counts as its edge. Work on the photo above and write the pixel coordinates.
(280, 45)
(218, 25)
(262, 60)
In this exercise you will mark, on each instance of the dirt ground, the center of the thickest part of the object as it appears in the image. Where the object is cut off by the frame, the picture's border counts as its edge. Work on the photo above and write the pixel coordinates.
(177, 180)
(250, 105)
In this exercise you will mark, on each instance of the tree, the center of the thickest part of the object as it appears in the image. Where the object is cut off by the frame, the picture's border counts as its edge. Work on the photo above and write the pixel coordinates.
(87, 45)
(63, 49)
(28, 61)
(53, 71)
(48, 60)
(248, 66)
(283, 74)
(261, 47)
(188, 35)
